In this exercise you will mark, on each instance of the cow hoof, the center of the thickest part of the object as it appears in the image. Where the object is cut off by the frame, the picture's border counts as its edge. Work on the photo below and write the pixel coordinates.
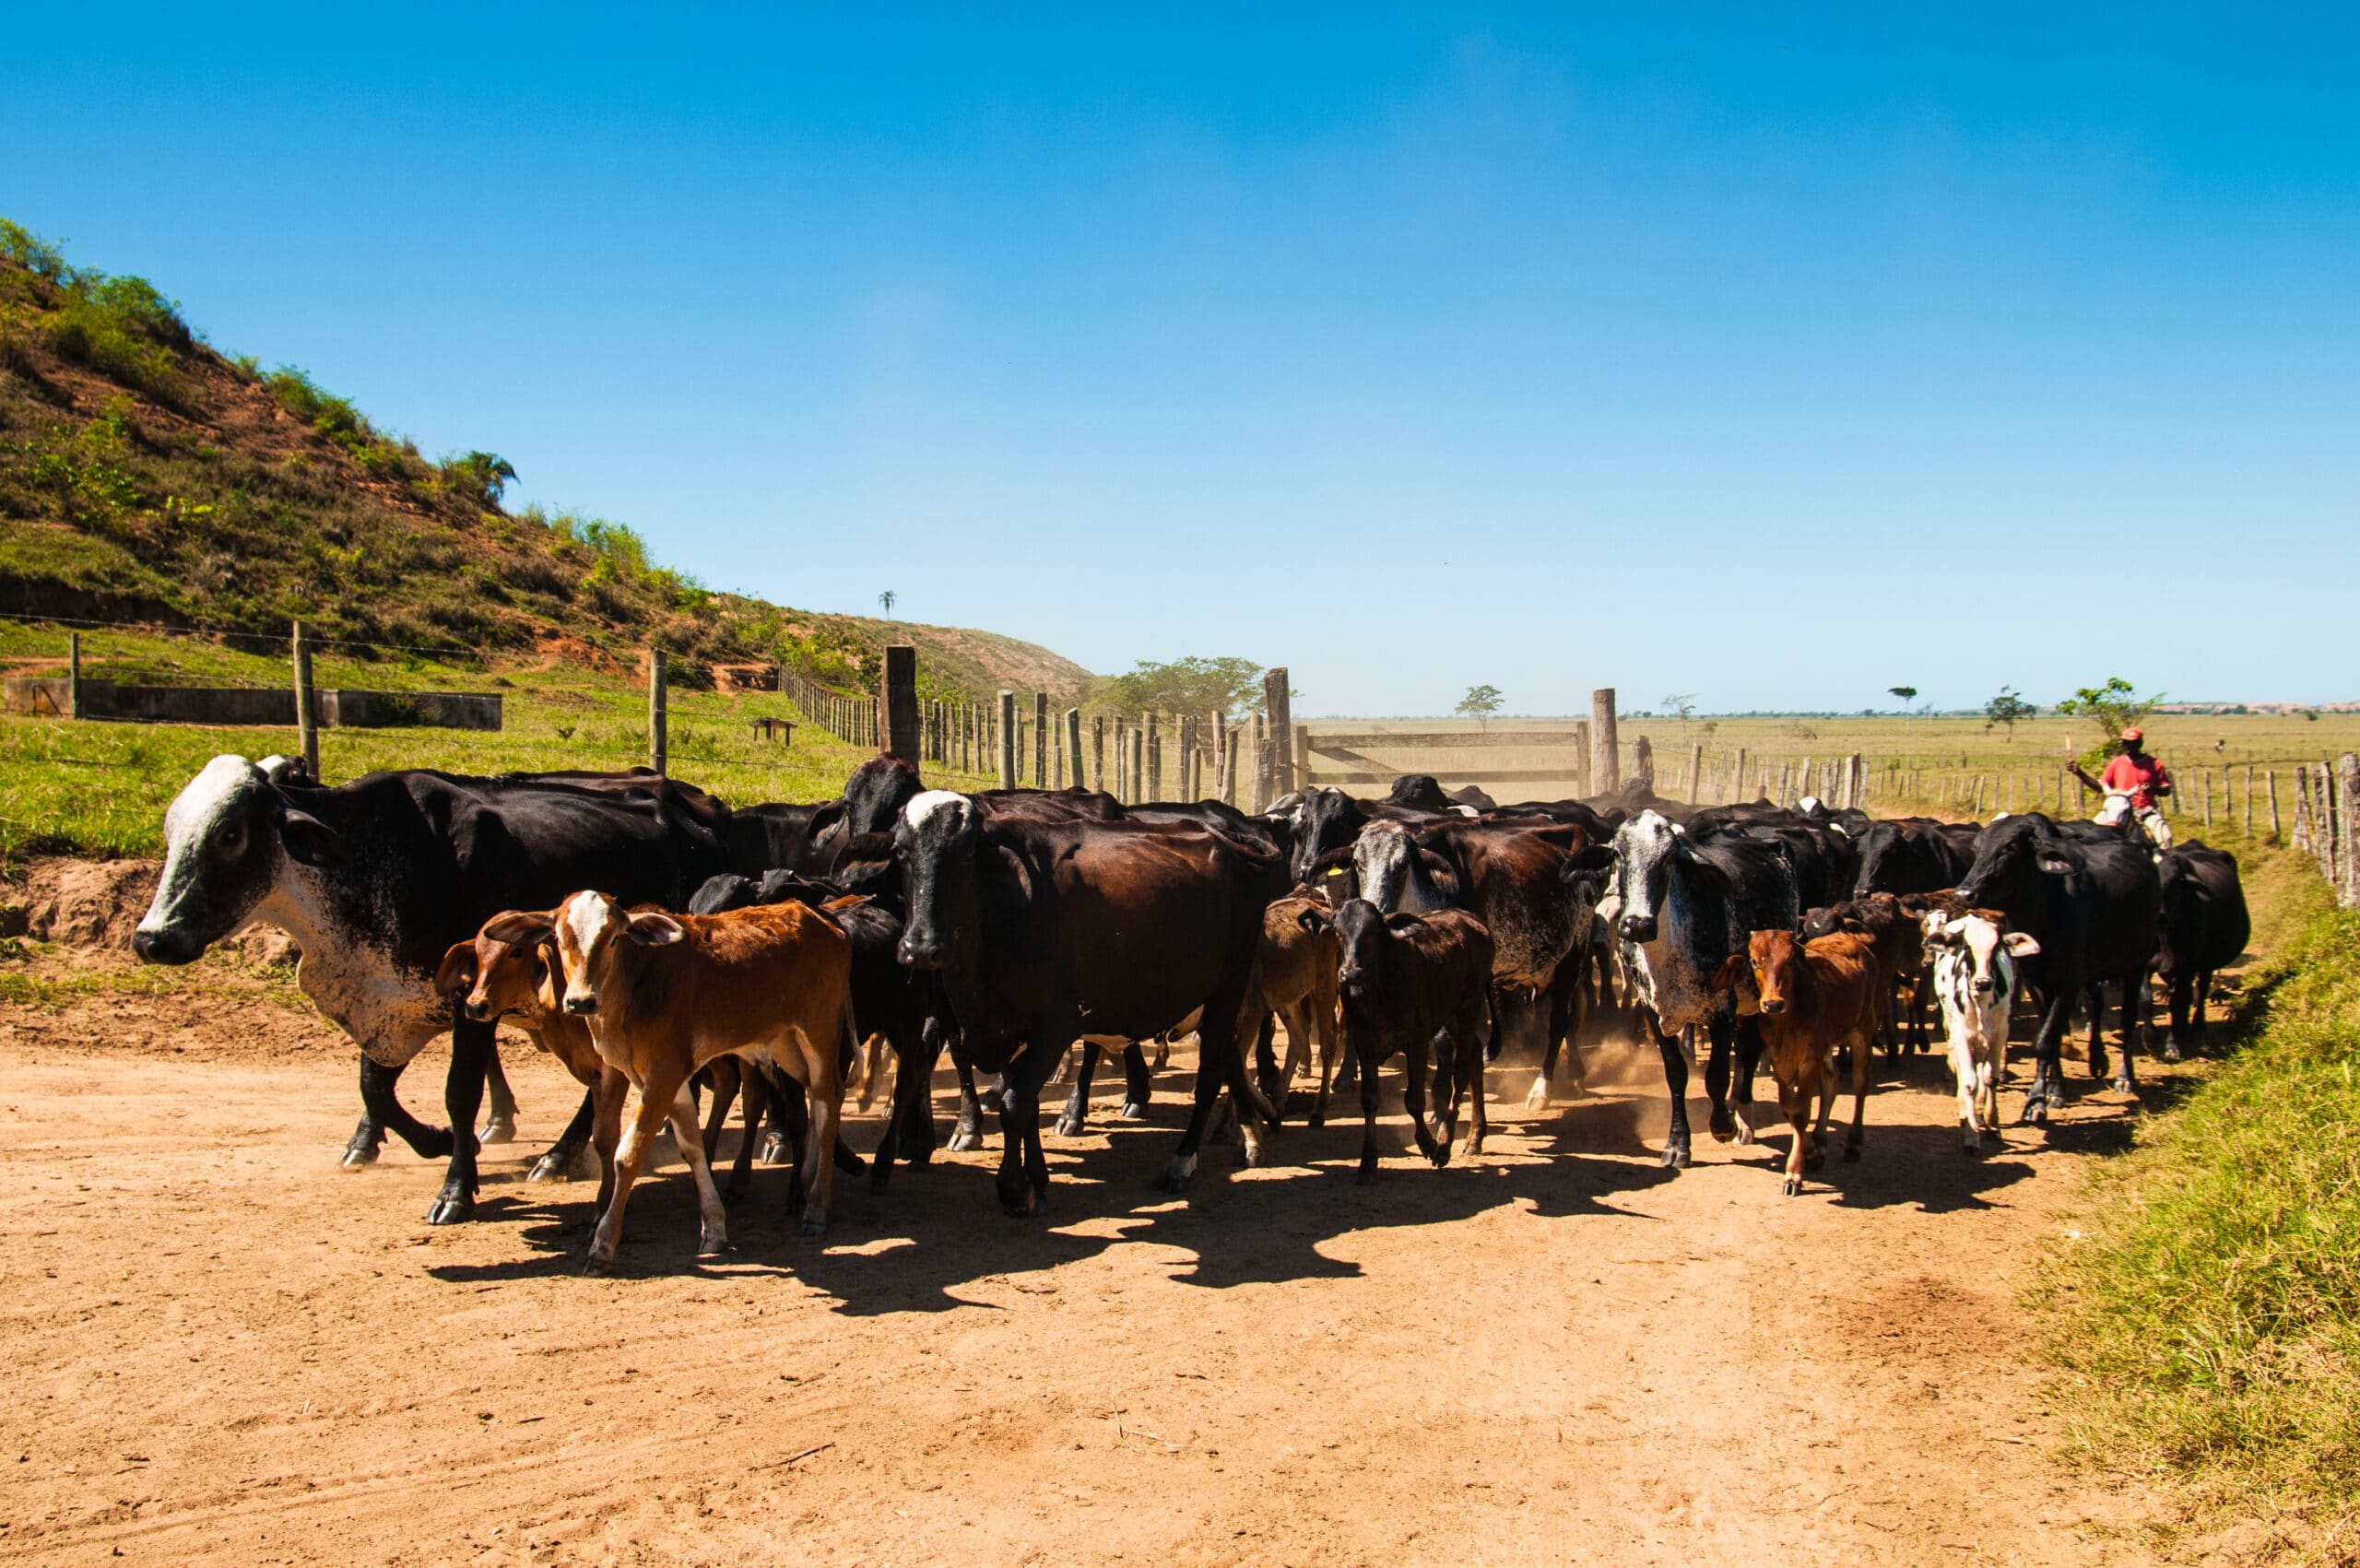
(1675, 1157)
(452, 1208)
(962, 1139)
(1723, 1125)
(1792, 1186)
(2171, 1050)
(1368, 1173)
(990, 1100)
(2098, 1063)
(814, 1228)
(1814, 1159)
(712, 1245)
(2126, 1086)
(1317, 1119)
(1851, 1156)
(500, 1129)
(359, 1156)
(1132, 1111)
(1535, 1099)
(551, 1167)
(1176, 1171)
(773, 1151)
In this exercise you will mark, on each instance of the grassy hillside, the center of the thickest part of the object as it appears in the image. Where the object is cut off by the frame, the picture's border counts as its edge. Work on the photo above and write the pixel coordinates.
(144, 476)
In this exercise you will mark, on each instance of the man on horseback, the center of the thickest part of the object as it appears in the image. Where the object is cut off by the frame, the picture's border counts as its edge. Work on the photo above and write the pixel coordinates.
(2133, 783)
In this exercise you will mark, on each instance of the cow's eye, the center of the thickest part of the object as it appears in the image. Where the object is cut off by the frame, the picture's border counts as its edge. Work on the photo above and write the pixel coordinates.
(232, 840)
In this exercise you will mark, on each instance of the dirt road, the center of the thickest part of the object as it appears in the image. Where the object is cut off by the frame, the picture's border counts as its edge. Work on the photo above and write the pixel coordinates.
(220, 1348)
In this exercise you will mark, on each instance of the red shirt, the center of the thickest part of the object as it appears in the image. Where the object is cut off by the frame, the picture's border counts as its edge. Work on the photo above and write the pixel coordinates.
(2141, 775)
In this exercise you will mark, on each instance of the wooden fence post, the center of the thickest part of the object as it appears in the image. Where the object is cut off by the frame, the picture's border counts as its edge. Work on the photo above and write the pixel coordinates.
(1154, 758)
(1696, 774)
(1056, 777)
(1098, 751)
(1229, 736)
(1605, 761)
(1040, 740)
(1072, 727)
(307, 702)
(1007, 738)
(1737, 779)
(1221, 779)
(73, 674)
(1188, 758)
(901, 698)
(2248, 800)
(1277, 703)
(1136, 755)
(657, 739)
(1643, 762)
(1856, 784)
(2274, 835)
(2347, 778)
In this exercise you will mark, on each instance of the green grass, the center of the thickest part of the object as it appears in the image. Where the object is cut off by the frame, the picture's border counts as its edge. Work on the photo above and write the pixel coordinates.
(101, 789)
(2206, 1328)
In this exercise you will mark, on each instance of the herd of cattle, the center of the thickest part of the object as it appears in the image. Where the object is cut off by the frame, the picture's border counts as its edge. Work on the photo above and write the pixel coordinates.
(649, 936)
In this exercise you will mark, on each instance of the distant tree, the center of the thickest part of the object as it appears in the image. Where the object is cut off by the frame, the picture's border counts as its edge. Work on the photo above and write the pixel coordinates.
(1479, 703)
(1908, 694)
(885, 602)
(1679, 705)
(486, 475)
(2109, 710)
(1185, 685)
(2006, 709)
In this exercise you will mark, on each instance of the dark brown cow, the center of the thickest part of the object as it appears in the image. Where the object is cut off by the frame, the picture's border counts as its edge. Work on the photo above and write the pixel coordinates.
(1047, 931)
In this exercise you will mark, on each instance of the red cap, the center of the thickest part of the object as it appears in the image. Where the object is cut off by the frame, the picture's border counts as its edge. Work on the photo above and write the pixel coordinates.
(2132, 733)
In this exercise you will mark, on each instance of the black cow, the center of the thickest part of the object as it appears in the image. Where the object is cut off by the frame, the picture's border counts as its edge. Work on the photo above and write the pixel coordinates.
(1043, 931)
(876, 793)
(1406, 979)
(378, 879)
(2095, 906)
(781, 837)
(2205, 927)
(1909, 854)
(1685, 903)
(1325, 819)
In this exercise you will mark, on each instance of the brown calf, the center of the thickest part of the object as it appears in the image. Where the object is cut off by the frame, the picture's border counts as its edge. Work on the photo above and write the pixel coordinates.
(1294, 978)
(663, 995)
(1816, 997)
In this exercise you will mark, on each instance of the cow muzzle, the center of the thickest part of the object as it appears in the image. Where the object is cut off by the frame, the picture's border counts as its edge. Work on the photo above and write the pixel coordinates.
(919, 954)
(165, 947)
(479, 1011)
(1638, 928)
(1773, 1005)
(581, 1004)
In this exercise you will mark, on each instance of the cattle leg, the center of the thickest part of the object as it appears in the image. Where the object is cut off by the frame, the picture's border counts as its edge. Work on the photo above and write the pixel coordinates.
(1138, 1082)
(1366, 1055)
(1565, 1011)
(1795, 1101)
(500, 1125)
(1023, 1179)
(755, 1100)
(1219, 1064)
(1862, 1057)
(1675, 1082)
(1468, 1032)
(2048, 1090)
(825, 1093)
(564, 1157)
(657, 1098)
(1413, 1100)
(1077, 1109)
(2097, 1028)
(606, 1099)
(1265, 1061)
(471, 1043)
(729, 1079)
(713, 1222)
(1749, 1058)
(1717, 1077)
(382, 1114)
(968, 1131)
(2134, 1022)
(909, 1130)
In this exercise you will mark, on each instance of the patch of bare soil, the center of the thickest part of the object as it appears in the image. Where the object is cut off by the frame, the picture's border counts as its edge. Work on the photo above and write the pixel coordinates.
(222, 1348)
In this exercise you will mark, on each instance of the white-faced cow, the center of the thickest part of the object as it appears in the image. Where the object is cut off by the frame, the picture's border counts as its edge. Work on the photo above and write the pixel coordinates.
(377, 878)
(1684, 902)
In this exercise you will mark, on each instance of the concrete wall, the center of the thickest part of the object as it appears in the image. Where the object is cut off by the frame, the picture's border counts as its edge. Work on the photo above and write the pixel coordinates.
(256, 705)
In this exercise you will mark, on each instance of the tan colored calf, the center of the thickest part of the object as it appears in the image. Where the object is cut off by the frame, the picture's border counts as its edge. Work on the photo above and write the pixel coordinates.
(1294, 976)
(663, 995)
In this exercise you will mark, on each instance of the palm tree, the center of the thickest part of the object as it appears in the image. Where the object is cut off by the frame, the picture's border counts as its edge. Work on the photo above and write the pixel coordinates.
(885, 602)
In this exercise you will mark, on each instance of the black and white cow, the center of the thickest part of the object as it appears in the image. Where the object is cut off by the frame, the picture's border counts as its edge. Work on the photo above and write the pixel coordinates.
(1684, 904)
(376, 879)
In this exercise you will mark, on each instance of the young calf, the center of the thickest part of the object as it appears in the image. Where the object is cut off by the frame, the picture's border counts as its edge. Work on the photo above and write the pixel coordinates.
(1816, 997)
(663, 995)
(1403, 978)
(1294, 980)
(1974, 976)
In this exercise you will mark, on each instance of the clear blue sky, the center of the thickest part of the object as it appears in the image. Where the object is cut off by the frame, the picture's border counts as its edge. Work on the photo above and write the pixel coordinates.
(1773, 360)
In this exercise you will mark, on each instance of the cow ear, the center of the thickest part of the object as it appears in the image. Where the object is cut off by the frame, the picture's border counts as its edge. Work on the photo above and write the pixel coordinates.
(311, 841)
(2020, 943)
(652, 930)
(1311, 921)
(1403, 921)
(2055, 865)
(520, 926)
(457, 974)
(1725, 977)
